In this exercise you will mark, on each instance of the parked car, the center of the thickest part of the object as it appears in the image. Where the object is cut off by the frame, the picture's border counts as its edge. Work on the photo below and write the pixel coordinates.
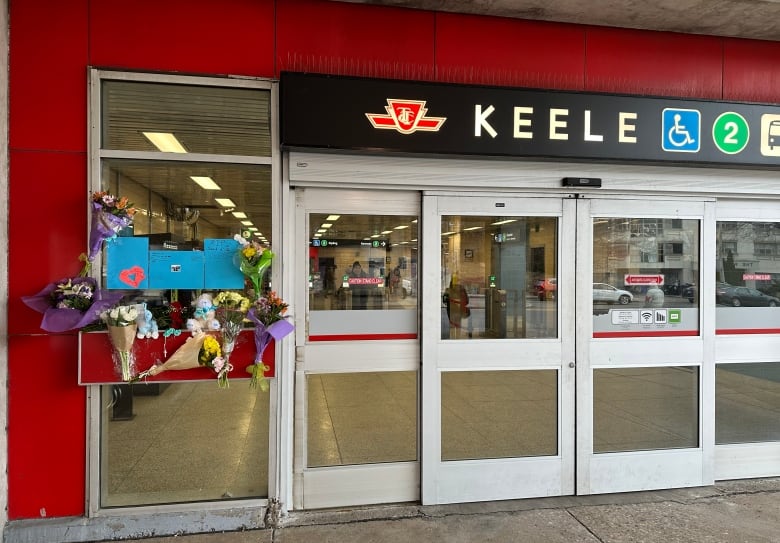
(603, 292)
(689, 292)
(745, 296)
(546, 289)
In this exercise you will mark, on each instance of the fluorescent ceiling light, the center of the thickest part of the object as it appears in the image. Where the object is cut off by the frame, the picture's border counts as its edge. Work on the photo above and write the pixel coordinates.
(401, 227)
(247, 223)
(472, 228)
(499, 223)
(225, 202)
(333, 217)
(414, 221)
(375, 236)
(317, 235)
(326, 225)
(165, 142)
(322, 230)
(252, 229)
(205, 182)
(387, 232)
(239, 215)
(447, 233)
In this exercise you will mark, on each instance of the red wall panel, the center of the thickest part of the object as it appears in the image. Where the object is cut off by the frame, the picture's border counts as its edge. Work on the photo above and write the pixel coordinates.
(512, 52)
(46, 430)
(654, 63)
(48, 81)
(198, 36)
(47, 226)
(751, 71)
(348, 39)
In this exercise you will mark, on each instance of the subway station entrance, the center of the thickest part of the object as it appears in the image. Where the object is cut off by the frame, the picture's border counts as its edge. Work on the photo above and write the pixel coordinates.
(461, 347)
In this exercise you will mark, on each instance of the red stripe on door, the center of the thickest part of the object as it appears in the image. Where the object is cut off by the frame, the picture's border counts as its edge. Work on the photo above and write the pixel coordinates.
(648, 333)
(361, 337)
(724, 331)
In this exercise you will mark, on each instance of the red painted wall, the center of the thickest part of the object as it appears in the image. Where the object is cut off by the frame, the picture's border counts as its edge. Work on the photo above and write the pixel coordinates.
(54, 42)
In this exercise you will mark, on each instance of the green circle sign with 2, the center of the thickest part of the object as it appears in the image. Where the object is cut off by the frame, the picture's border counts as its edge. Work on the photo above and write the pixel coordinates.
(730, 132)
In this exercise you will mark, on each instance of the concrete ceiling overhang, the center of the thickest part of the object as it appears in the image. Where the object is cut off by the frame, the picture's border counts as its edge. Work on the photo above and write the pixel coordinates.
(752, 19)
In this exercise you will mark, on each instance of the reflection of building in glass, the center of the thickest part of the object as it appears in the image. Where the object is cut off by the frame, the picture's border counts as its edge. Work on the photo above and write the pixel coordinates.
(749, 255)
(666, 247)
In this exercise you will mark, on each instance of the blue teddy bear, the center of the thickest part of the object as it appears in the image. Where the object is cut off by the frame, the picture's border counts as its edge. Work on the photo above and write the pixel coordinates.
(147, 326)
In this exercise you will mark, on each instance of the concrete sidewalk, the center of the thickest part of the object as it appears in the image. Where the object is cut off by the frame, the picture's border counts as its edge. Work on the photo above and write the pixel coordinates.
(746, 511)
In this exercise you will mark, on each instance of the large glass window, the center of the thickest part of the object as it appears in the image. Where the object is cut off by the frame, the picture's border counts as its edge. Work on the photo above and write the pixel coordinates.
(361, 418)
(499, 414)
(747, 274)
(499, 277)
(639, 409)
(645, 276)
(362, 280)
(747, 402)
(172, 441)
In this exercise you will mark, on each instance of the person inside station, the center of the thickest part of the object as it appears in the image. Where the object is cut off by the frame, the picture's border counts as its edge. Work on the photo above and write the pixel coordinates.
(394, 280)
(457, 303)
(359, 290)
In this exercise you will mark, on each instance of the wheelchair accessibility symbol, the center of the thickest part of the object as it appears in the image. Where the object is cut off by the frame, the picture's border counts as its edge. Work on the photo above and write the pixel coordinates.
(681, 130)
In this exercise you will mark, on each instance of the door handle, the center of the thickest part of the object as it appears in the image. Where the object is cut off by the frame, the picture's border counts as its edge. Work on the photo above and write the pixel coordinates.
(571, 364)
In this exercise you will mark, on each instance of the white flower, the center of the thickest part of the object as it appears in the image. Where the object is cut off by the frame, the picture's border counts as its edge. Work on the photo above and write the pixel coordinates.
(129, 313)
(239, 238)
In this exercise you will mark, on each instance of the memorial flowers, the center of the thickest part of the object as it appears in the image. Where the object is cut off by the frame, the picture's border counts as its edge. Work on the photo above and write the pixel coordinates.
(268, 315)
(71, 303)
(199, 350)
(230, 313)
(121, 323)
(253, 260)
(210, 356)
(109, 215)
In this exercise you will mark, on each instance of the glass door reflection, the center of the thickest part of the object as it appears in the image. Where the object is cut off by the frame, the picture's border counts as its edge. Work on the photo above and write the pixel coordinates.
(498, 277)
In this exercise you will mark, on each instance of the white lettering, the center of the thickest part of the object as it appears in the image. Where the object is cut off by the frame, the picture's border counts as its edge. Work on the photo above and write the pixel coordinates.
(520, 122)
(480, 121)
(588, 135)
(555, 124)
(624, 126)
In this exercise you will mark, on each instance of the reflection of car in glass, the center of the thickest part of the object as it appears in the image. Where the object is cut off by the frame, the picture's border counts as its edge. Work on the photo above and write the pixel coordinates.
(603, 292)
(546, 289)
(745, 296)
(689, 292)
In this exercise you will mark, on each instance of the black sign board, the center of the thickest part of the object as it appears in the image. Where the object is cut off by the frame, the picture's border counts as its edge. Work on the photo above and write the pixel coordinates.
(329, 112)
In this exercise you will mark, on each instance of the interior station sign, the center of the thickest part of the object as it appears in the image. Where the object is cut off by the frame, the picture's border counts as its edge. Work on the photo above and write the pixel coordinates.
(348, 113)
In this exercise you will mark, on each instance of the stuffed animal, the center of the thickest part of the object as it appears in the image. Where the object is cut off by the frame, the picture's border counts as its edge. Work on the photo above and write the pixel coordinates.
(147, 326)
(203, 319)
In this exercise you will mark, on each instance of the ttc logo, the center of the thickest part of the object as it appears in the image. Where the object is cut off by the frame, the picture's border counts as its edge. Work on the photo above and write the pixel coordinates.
(406, 117)
(681, 130)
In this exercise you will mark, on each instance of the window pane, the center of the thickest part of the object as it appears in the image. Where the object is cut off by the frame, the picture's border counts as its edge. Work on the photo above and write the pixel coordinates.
(499, 277)
(361, 418)
(639, 409)
(747, 291)
(645, 273)
(182, 442)
(362, 276)
(499, 414)
(747, 402)
(209, 120)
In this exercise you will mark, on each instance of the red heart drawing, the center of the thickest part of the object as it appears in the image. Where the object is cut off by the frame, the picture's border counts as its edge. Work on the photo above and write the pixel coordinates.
(132, 276)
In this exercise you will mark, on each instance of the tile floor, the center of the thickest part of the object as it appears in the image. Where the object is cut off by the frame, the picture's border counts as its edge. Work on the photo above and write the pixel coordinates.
(192, 442)
(196, 442)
